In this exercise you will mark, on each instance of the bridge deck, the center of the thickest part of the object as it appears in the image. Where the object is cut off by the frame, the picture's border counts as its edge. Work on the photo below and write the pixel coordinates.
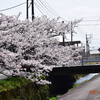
(75, 70)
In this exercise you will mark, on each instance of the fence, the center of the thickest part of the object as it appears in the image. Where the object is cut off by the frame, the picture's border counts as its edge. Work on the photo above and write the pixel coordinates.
(88, 60)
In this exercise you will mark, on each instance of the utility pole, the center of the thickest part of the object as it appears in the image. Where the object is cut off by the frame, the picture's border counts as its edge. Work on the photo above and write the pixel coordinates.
(87, 44)
(71, 32)
(63, 39)
(63, 36)
(32, 9)
(27, 9)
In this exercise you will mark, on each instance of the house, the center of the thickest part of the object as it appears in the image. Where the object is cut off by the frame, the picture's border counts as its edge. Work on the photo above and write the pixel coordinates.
(94, 54)
(68, 43)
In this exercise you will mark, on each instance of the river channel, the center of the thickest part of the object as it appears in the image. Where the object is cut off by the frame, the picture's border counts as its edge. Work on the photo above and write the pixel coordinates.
(62, 83)
(87, 77)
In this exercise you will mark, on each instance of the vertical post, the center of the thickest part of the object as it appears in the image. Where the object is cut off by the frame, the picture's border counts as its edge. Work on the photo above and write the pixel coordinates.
(82, 61)
(32, 9)
(27, 9)
(63, 35)
(71, 32)
(87, 46)
(63, 39)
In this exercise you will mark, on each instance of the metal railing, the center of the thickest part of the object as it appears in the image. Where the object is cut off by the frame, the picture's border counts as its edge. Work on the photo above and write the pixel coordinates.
(86, 60)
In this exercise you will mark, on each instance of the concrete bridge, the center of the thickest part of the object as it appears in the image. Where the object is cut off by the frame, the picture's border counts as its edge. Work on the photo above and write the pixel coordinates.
(75, 70)
(62, 78)
(85, 60)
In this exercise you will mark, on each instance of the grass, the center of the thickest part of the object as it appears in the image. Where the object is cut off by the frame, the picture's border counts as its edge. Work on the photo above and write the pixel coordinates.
(80, 83)
(75, 85)
(18, 88)
(54, 98)
(12, 83)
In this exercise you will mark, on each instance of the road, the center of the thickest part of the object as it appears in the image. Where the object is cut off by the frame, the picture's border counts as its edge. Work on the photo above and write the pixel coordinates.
(89, 90)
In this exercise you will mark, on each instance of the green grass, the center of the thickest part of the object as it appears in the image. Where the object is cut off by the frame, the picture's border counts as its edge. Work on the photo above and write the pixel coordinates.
(18, 88)
(74, 86)
(12, 83)
(54, 98)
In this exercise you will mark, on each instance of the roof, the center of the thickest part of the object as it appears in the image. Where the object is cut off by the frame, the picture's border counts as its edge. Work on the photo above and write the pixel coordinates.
(71, 42)
(94, 52)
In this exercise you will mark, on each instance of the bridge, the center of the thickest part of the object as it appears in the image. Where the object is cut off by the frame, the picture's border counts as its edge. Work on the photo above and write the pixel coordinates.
(62, 78)
(87, 66)
(75, 70)
(90, 60)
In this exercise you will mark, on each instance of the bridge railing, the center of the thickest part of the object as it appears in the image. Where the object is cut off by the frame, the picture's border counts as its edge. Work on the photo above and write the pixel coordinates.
(86, 60)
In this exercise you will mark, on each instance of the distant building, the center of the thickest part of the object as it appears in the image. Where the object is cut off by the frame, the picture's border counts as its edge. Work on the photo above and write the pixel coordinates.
(94, 54)
(68, 43)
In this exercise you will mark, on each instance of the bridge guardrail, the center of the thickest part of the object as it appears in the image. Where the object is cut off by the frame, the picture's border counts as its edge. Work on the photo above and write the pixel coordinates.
(89, 60)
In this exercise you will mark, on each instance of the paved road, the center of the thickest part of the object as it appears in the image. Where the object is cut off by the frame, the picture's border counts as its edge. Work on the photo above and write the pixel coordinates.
(2, 77)
(87, 91)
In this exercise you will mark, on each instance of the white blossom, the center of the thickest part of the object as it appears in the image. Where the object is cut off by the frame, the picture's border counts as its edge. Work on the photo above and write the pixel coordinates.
(26, 45)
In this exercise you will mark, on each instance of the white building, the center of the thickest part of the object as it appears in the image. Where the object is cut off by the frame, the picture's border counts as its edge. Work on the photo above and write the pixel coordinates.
(94, 54)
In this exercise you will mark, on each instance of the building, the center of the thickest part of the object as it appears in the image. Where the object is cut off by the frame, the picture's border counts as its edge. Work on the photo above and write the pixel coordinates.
(68, 43)
(94, 54)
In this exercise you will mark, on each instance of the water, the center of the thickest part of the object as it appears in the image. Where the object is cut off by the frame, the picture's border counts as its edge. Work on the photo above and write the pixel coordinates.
(87, 77)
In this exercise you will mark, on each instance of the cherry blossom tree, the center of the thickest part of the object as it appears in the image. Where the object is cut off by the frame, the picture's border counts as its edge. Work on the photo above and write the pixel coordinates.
(30, 45)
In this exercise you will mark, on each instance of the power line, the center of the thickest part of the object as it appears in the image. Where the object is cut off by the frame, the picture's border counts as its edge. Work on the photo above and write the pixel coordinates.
(51, 8)
(89, 20)
(97, 32)
(53, 11)
(46, 7)
(39, 8)
(12, 7)
(88, 24)
(42, 9)
(82, 31)
(95, 25)
(96, 39)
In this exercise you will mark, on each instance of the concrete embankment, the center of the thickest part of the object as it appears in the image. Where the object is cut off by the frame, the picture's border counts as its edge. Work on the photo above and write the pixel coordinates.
(89, 90)
(17, 88)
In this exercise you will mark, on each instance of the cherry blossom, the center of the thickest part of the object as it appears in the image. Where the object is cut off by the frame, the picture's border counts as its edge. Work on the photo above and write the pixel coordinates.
(28, 49)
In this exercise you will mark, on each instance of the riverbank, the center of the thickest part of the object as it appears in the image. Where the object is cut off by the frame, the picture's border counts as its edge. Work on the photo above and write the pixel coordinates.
(89, 90)
(80, 78)
(16, 88)
(85, 77)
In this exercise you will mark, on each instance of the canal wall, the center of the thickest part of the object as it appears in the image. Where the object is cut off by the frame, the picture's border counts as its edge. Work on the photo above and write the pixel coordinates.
(62, 83)
(30, 91)
(27, 91)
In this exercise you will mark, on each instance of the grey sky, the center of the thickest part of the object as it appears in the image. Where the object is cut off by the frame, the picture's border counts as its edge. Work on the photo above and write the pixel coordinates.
(69, 10)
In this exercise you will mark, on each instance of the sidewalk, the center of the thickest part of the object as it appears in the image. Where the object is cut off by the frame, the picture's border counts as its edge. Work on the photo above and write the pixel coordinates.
(89, 90)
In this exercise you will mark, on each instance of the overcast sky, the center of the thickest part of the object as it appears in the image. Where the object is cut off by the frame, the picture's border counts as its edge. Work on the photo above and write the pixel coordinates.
(69, 10)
